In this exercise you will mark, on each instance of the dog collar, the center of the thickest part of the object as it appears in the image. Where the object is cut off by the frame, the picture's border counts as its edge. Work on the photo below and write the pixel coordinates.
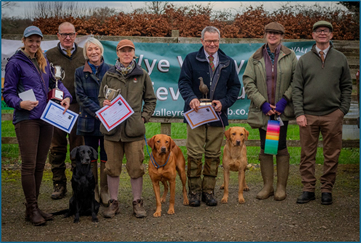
(155, 162)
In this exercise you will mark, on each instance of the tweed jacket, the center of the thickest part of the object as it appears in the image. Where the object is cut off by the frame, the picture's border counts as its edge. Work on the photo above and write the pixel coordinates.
(87, 85)
(254, 80)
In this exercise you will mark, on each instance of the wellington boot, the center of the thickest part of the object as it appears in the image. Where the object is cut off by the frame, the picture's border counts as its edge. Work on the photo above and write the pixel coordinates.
(282, 176)
(34, 214)
(94, 166)
(266, 162)
(104, 192)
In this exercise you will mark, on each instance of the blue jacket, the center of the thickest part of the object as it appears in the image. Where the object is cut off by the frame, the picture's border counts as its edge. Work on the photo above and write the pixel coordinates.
(22, 75)
(225, 87)
(87, 85)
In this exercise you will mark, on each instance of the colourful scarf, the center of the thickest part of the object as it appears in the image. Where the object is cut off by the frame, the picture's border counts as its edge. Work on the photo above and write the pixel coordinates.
(124, 70)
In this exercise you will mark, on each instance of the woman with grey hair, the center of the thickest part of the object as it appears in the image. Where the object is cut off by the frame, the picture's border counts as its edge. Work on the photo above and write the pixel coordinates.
(88, 79)
(267, 81)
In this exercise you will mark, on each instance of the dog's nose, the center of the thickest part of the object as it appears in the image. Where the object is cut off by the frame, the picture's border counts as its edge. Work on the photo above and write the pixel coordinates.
(163, 149)
(238, 142)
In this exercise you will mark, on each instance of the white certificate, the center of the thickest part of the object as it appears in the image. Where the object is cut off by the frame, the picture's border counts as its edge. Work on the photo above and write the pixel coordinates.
(115, 113)
(53, 114)
(205, 114)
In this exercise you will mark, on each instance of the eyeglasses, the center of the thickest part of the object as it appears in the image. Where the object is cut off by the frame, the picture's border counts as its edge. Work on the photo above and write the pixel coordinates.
(64, 35)
(326, 31)
(210, 41)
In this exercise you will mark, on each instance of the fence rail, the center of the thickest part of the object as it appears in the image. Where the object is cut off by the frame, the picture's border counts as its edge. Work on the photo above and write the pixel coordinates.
(165, 128)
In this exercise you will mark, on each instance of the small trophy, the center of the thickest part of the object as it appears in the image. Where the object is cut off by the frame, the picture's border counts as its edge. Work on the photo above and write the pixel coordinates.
(204, 90)
(56, 94)
(109, 93)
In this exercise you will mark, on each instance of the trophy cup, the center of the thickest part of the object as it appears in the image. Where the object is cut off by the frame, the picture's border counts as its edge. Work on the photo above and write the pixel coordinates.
(56, 94)
(109, 93)
(204, 90)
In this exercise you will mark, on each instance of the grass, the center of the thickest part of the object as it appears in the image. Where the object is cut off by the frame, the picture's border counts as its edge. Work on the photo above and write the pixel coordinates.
(10, 152)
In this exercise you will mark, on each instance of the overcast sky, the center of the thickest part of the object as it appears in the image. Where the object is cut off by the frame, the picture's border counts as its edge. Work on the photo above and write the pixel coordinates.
(128, 6)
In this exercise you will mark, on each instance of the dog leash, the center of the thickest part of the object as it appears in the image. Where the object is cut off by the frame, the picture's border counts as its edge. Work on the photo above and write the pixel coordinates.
(152, 157)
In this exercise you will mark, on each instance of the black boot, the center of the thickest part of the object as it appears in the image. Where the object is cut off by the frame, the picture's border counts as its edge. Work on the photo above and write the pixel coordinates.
(34, 215)
(194, 199)
(209, 199)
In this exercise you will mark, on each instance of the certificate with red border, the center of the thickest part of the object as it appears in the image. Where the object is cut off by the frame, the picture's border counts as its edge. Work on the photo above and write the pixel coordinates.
(205, 114)
(115, 113)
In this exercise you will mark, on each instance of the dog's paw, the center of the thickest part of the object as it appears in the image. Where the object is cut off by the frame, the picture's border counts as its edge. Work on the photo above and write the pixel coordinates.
(185, 201)
(222, 187)
(224, 200)
(162, 200)
(95, 220)
(246, 188)
(157, 214)
(171, 211)
(241, 200)
(76, 221)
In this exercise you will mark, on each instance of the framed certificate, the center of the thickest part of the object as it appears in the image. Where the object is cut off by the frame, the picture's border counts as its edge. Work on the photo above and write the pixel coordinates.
(205, 114)
(53, 114)
(115, 113)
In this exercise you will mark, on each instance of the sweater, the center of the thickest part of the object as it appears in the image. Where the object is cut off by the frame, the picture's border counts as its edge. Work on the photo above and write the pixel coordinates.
(69, 64)
(318, 90)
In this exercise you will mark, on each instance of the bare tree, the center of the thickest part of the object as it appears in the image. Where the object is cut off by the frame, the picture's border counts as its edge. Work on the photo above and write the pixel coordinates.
(157, 7)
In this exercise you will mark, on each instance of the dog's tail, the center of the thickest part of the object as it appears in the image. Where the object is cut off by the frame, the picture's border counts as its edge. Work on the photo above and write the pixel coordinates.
(64, 211)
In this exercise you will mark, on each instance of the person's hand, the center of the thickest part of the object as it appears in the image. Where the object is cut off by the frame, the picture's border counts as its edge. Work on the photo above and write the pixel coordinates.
(28, 105)
(106, 102)
(194, 104)
(280, 106)
(267, 109)
(301, 121)
(217, 105)
(66, 103)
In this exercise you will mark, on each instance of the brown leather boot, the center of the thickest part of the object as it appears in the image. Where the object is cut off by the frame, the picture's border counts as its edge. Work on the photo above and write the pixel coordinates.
(104, 192)
(34, 215)
(112, 210)
(46, 216)
(138, 209)
(266, 162)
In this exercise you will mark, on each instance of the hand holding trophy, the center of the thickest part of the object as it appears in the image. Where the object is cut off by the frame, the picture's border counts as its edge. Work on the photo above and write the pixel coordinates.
(109, 93)
(56, 94)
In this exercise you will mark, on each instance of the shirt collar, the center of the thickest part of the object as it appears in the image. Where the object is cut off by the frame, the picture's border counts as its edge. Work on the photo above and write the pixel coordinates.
(324, 51)
(64, 49)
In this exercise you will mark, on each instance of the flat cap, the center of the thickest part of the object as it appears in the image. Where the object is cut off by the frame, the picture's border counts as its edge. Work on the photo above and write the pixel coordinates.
(125, 43)
(323, 24)
(275, 27)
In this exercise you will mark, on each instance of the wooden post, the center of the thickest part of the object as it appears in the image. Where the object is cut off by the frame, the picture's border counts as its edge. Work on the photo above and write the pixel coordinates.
(175, 33)
(166, 128)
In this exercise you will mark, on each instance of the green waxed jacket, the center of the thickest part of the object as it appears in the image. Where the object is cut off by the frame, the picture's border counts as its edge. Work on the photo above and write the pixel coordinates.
(254, 80)
(135, 89)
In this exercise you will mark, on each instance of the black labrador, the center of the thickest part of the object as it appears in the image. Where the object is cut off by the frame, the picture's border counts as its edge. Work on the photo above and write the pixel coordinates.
(83, 202)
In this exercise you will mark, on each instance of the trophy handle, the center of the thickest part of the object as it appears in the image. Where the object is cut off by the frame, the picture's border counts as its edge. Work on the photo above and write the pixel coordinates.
(63, 74)
(105, 91)
(52, 73)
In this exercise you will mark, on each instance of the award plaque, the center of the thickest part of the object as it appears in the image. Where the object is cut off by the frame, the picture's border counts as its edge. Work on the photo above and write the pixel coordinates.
(204, 90)
(109, 93)
(56, 94)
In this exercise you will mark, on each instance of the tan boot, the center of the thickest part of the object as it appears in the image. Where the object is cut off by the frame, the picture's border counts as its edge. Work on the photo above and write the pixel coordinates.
(138, 209)
(112, 210)
(283, 164)
(266, 162)
(104, 192)
(94, 166)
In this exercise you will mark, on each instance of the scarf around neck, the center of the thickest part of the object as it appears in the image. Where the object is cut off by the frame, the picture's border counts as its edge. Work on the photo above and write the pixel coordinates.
(124, 70)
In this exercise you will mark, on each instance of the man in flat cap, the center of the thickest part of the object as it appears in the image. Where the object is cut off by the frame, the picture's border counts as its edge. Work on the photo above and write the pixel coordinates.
(321, 92)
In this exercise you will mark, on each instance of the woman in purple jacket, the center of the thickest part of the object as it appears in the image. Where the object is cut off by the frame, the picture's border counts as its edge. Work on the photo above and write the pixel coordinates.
(29, 69)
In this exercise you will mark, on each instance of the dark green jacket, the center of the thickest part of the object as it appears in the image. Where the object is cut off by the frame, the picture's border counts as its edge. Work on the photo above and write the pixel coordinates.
(135, 89)
(254, 80)
(321, 90)
(69, 64)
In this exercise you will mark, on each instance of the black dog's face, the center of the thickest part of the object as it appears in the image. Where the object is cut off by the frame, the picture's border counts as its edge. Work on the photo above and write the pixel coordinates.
(85, 154)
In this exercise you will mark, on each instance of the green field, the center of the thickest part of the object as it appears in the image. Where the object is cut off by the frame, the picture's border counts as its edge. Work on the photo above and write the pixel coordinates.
(10, 152)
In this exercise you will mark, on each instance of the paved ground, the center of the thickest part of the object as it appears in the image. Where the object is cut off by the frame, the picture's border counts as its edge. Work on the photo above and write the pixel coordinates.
(256, 220)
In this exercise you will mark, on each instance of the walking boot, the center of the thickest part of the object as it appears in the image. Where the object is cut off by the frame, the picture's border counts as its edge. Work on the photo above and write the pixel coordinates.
(34, 216)
(58, 169)
(138, 209)
(283, 164)
(194, 170)
(104, 192)
(209, 199)
(59, 191)
(194, 199)
(94, 166)
(112, 210)
(266, 162)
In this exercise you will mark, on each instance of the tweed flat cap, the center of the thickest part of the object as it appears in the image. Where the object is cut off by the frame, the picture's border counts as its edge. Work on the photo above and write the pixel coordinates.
(125, 43)
(275, 27)
(323, 24)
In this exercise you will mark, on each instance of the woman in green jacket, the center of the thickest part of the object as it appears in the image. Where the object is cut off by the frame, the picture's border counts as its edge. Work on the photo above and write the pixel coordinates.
(127, 78)
(267, 81)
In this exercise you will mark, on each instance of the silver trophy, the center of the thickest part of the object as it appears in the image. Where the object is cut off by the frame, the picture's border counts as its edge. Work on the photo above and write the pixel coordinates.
(58, 74)
(110, 93)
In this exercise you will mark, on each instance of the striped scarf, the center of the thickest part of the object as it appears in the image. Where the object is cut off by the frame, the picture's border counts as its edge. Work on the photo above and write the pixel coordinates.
(124, 71)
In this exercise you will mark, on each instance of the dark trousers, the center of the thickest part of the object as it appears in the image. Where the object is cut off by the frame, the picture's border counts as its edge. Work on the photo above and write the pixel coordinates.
(34, 137)
(59, 147)
(95, 142)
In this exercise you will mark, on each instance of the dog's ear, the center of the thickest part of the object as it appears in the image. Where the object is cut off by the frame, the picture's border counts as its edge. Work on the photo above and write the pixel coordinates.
(172, 143)
(247, 133)
(74, 152)
(226, 133)
(151, 142)
(94, 153)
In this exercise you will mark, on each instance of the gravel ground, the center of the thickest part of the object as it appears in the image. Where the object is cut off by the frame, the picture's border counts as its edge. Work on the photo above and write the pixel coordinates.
(256, 220)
